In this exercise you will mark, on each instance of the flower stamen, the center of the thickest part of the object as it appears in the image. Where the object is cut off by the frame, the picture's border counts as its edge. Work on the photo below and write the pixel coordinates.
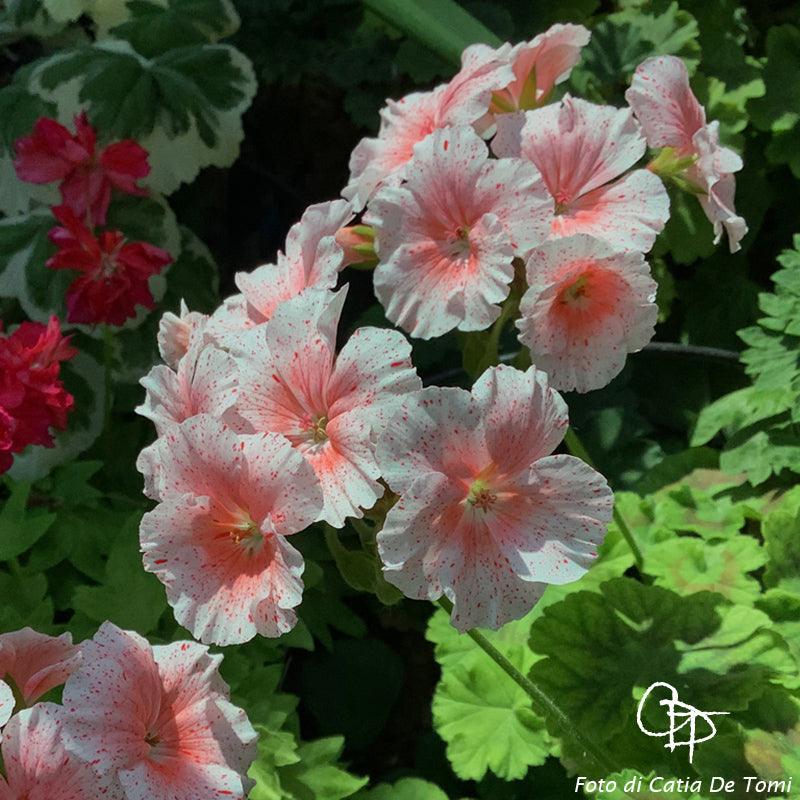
(480, 496)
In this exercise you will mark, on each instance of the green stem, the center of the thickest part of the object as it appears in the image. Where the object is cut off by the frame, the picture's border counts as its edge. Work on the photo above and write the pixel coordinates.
(541, 701)
(108, 368)
(577, 448)
(106, 437)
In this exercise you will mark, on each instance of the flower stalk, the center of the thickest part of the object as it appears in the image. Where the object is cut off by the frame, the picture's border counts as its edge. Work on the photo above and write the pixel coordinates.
(577, 449)
(542, 703)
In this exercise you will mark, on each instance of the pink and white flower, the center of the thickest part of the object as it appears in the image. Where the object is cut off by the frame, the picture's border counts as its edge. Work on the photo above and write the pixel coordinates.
(35, 662)
(203, 383)
(447, 237)
(313, 257)
(37, 766)
(539, 66)
(486, 515)
(582, 149)
(330, 407)
(7, 703)
(175, 333)
(671, 116)
(586, 308)
(156, 720)
(408, 121)
(218, 538)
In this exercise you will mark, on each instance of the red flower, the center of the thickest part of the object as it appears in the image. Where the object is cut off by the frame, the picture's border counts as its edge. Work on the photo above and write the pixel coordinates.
(115, 273)
(51, 153)
(33, 400)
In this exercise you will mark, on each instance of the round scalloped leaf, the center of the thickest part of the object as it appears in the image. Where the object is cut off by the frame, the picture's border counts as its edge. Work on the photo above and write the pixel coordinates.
(64, 11)
(185, 106)
(484, 716)
(404, 789)
(21, 18)
(156, 26)
(104, 13)
(84, 378)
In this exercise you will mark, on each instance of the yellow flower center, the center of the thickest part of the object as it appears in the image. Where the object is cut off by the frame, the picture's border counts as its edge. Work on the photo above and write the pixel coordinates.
(480, 495)
(247, 534)
(318, 429)
(575, 292)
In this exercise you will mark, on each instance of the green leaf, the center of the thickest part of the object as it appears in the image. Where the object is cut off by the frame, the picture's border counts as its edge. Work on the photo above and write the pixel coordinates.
(777, 111)
(184, 106)
(404, 789)
(20, 528)
(124, 579)
(361, 567)
(760, 421)
(602, 649)
(255, 683)
(441, 25)
(24, 248)
(24, 601)
(21, 18)
(484, 716)
(275, 749)
(154, 27)
(775, 754)
(781, 531)
(688, 234)
(311, 772)
(689, 509)
(688, 565)
(624, 39)
(318, 775)
(738, 410)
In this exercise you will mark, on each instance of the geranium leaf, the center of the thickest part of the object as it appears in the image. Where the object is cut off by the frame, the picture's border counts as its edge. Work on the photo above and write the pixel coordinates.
(155, 26)
(485, 718)
(184, 106)
(124, 578)
(690, 565)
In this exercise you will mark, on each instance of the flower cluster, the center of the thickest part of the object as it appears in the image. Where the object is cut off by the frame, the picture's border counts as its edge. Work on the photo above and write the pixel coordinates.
(33, 400)
(471, 179)
(265, 426)
(114, 273)
(135, 721)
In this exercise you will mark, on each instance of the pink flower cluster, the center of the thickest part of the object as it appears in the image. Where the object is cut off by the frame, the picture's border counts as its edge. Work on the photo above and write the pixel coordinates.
(485, 173)
(33, 400)
(267, 423)
(136, 722)
(114, 273)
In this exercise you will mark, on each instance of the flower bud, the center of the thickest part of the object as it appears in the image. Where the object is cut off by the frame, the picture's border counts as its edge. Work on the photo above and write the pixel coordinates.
(358, 243)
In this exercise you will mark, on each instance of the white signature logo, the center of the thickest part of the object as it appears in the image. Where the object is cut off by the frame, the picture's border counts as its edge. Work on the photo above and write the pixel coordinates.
(681, 715)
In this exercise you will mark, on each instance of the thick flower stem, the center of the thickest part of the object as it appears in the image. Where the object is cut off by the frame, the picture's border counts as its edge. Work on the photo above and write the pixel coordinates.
(541, 701)
(108, 385)
(108, 367)
(576, 447)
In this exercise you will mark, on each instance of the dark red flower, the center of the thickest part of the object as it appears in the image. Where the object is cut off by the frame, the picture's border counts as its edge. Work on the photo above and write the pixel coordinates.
(33, 400)
(115, 273)
(51, 153)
